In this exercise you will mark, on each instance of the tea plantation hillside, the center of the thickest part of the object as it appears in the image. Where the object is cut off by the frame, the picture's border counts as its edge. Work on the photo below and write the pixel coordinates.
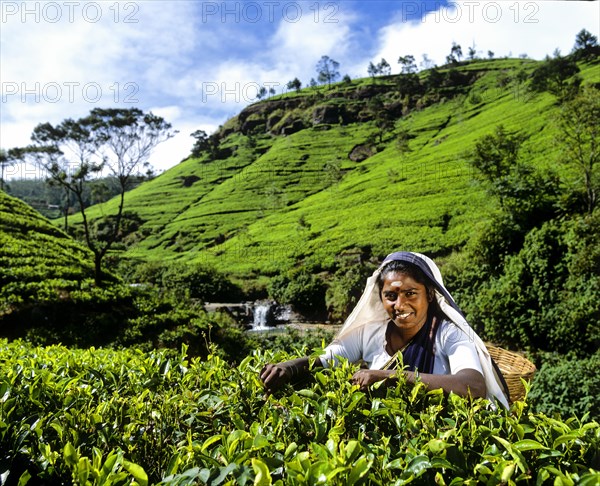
(37, 260)
(362, 168)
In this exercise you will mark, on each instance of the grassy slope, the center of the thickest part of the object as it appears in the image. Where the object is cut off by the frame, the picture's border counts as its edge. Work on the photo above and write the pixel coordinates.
(37, 260)
(303, 199)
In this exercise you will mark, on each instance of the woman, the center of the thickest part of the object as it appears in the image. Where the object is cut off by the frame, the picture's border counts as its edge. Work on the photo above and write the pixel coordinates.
(407, 317)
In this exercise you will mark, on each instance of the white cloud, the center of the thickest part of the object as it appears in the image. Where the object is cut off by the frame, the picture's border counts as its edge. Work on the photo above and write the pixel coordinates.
(198, 63)
(505, 28)
(301, 44)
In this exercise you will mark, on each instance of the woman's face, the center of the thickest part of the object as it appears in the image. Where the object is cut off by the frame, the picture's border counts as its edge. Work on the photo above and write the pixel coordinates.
(405, 300)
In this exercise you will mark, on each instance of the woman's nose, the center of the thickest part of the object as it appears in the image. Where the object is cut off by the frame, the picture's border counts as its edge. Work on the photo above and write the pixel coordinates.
(399, 302)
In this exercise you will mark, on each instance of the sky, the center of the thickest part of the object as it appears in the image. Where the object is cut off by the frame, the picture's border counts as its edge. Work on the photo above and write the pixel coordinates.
(198, 63)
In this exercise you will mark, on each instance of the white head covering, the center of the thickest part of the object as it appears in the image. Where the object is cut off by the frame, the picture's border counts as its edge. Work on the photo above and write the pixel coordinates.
(370, 309)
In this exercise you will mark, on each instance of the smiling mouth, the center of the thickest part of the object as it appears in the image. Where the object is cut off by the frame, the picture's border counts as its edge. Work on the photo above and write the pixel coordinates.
(404, 315)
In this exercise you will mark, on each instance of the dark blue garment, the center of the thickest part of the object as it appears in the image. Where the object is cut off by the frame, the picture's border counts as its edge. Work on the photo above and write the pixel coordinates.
(419, 354)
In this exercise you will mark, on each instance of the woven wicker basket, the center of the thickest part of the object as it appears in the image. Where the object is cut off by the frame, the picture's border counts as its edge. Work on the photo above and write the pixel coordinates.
(513, 367)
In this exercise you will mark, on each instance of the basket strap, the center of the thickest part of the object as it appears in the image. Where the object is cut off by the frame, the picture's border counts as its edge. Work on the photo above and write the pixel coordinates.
(501, 378)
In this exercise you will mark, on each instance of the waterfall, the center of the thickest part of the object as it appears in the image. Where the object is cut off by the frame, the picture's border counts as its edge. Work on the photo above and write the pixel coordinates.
(263, 316)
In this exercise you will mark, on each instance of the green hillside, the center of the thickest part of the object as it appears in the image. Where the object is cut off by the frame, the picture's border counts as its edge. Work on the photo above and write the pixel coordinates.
(37, 260)
(281, 189)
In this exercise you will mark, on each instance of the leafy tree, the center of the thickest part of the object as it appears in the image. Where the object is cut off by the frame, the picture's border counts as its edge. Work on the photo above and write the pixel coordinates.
(372, 70)
(262, 92)
(384, 67)
(455, 54)
(294, 84)
(557, 76)
(197, 281)
(586, 46)
(202, 143)
(490, 54)
(6, 161)
(381, 68)
(327, 70)
(344, 289)
(495, 154)
(408, 64)
(426, 63)
(408, 81)
(116, 140)
(578, 137)
(472, 53)
(520, 189)
(384, 121)
(435, 79)
(547, 295)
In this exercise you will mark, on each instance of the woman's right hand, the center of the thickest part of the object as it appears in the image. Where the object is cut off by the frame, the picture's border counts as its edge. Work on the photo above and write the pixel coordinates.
(274, 376)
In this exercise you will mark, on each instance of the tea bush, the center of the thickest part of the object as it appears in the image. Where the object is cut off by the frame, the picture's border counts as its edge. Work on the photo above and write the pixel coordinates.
(101, 416)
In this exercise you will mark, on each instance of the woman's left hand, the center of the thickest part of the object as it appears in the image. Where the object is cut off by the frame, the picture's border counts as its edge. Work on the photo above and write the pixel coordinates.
(365, 378)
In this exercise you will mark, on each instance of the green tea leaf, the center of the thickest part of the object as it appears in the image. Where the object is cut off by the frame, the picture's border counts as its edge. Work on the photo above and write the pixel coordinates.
(137, 472)
(358, 471)
(263, 476)
(70, 455)
(528, 445)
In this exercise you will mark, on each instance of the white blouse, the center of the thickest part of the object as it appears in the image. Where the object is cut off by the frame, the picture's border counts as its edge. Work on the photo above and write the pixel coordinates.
(454, 350)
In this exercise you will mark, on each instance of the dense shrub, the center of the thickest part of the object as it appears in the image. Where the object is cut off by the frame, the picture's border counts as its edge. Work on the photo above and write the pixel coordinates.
(199, 282)
(567, 385)
(143, 317)
(344, 289)
(547, 296)
(556, 75)
(184, 281)
(301, 289)
(89, 316)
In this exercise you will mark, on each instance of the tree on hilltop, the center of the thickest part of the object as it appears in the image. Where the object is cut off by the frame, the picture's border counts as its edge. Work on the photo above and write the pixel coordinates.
(294, 84)
(116, 140)
(472, 53)
(202, 144)
(327, 70)
(408, 80)
(408, 64)
(372, 70)
(426, 63)
(455, 54)
(382, 68)
(261, 93)
(586, 46)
